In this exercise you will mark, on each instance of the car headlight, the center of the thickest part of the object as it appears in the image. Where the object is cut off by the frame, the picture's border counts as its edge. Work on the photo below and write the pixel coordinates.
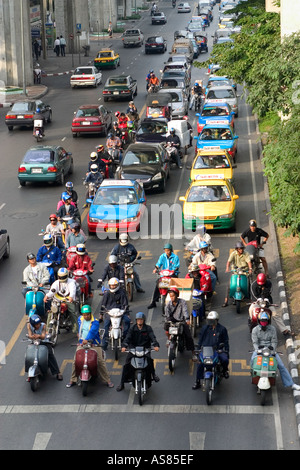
(95, 221)
(130, 219)
(226, 216)
(158, 176)
(190, 217)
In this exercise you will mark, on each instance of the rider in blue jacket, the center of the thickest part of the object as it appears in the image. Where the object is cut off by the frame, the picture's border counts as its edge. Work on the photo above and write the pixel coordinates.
(49, 253)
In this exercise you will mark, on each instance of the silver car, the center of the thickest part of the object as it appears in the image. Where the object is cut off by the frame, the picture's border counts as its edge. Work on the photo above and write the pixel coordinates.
(179, 104)
(4, 244)
(224, 93)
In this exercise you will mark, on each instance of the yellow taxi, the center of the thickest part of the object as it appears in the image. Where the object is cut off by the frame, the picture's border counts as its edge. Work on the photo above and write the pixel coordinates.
(210, 200)
(107, 58)
(217, 162)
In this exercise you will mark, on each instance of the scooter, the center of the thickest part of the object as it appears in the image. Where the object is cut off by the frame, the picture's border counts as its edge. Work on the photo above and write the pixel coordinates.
(115, 330)
(263, 371)
(239, 286)
(115, 153)
(80, 276)
(85, 366)
(173, 3)
(252, 250)
(175, 342)
(163, 285)
(58, 317)
(129, 274)
(255, 308)
(172, 151)
(34, 300)
(36, 362)
(38, 133)
(141, 376)
(213, 370)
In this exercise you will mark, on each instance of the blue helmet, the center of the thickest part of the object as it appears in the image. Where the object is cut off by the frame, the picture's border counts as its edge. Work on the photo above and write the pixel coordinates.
(69, 185)
(35, 320)
(203, 245)
(140, 315)
(65, 196)
(38, 110)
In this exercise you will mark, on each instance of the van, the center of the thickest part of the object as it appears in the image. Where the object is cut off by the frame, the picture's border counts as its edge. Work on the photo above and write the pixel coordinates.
(183, 46)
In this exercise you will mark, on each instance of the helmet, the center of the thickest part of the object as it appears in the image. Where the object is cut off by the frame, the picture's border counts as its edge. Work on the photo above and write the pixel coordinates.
(203, 245)
(35, 320)
(172, 130)
(193, 267)
(62, 274)
(263, 319)
(168, 246)
(65, 196)
(48, 239)
(113, 284)
(123, 239)
(261, 279)
(140, 315)
(151, 71)
(86, 309)
(80, 249)
(212, 317)
(174, 290)
(53, 216)
(201, 229)
(99, 148)
(38, 110)
(252, 223)
(30, 256)
(75, 225)
(239, 245)
(117, 113)
(130, 124)
(94, 168)
(69, 185)
(112, 259)
(93, 156)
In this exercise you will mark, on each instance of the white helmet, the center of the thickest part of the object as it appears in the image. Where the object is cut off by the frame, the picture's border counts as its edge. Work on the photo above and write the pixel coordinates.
(94, 168)
(113, 284)
(212, 317)
(93, 156)
(123, 239)
(112, 259)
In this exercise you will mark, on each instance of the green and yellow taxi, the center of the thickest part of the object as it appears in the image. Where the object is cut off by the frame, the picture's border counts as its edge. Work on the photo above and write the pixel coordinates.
(212, 162)
(107, 58)
(210, 200)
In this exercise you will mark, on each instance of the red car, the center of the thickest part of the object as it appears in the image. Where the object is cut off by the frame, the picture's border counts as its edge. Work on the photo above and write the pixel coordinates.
(91, 119)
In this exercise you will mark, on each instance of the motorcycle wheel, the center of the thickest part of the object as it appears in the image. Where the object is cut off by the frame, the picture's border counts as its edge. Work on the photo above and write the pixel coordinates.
(116, 349)
(139, 392)
(263, 395)
(34, 382)
(208, 391)
(238, 306)
(84, 386)
(171, 360)
(194, 327)
(163, 303)
(130, 291)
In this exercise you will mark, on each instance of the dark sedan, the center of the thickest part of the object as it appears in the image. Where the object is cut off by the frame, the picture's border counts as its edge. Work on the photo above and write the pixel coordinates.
(120, 86)
(22, 113)
(152, 131)
(146, 163)
(91, 119)
(155, 44)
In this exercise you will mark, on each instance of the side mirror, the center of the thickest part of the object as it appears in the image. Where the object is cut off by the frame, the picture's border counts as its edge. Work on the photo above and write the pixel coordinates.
(142, 200)
(235, 197)
(182, 199)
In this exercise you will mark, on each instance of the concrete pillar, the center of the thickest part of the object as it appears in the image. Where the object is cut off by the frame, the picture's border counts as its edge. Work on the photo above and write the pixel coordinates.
(289, 17)
(68, 14)
(11, 57)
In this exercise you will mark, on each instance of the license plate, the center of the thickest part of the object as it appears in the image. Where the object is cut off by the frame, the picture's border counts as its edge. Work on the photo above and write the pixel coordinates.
(112, 229)
(173, 330)
(115, 92)
(36, 170)
(86, 123)
(209, 226)
(20, 117)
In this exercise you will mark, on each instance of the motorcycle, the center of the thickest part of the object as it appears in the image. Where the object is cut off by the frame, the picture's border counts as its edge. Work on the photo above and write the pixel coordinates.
(115, 153)
(80, 276)
(36, 362)
(38, 133)
(58, 318)
(124, 133)
(173, 3)
(239, 286)
(163, 285)
(115, 330)
(64, 221)
(37, 75)
(175, 342)
(85, 366)
(34, 300)
(92, 189)
(153, 88)
(255, 308)
(131, 131)
(213, 370)
(252, 250)
(129, 274)
(263, 371)
(141, 376)
(198, 312)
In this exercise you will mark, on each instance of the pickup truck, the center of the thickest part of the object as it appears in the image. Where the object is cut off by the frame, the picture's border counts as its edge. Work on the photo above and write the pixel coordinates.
(133, 37)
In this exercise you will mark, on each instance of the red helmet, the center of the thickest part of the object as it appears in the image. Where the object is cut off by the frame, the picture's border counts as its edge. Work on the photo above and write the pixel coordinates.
(52, 216)
(261, 279)
(174, 289)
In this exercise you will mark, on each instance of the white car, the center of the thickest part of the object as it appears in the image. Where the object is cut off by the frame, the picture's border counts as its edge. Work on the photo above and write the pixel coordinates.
(183, 8)
(86, 76)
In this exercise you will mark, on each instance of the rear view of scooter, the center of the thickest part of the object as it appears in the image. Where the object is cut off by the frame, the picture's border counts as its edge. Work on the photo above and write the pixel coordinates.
(85, 366)
(239, 286)
(263, 371)
(36, 362)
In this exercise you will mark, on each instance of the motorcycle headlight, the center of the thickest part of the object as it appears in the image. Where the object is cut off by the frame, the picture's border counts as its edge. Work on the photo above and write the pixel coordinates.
(130, 270)
(158, 176)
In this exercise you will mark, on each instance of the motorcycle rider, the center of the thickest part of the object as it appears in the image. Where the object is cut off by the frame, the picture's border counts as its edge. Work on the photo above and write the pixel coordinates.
(69, 231)
(113, 142)
(71, 191)
(95, 177)
(56, 229)
(132, 111)
(124, 248)
(75, 237)
(175, 141)
(202, 280)
(264, 334)
(36, 329)
(65, 287)
(115, 297)
(201, 236)
(213, 334)
(38, 121)
(139, 334)
(153, 81)
(88, 331)
(261, 289)
(254, 233)
(103, 155)
(148, 78)
(197, 93)
(176, 311)
(68, 208)
(35, 274)
(167, 260)
(82, 261)
(238, 258)
(205, 257)
(112, 269)
(48, 253)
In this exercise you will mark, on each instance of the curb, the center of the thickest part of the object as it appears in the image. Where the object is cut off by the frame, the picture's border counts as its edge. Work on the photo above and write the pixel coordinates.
(289, 343)
(35, 97)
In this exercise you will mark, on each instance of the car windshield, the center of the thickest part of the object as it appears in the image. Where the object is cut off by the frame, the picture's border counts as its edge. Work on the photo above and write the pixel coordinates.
(211, 161)
(182, 50)
(211, 193)
(39, 156)
(153, 128)
(84, 71)
(217, 133)
(115, 196)
(87, 112)
(117, 81)
(220, 94)
(20, 107)
(154, 39)
(142, 157)
(104, 54)
(218, 82)
(215, 111)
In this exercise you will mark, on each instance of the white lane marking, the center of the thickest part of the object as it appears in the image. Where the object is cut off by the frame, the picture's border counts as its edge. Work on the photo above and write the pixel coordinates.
(197, 440)
(41, 440)
(2, 205)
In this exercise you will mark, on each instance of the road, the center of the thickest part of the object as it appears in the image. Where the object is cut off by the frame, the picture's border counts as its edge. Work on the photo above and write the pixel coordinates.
(174, 417)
